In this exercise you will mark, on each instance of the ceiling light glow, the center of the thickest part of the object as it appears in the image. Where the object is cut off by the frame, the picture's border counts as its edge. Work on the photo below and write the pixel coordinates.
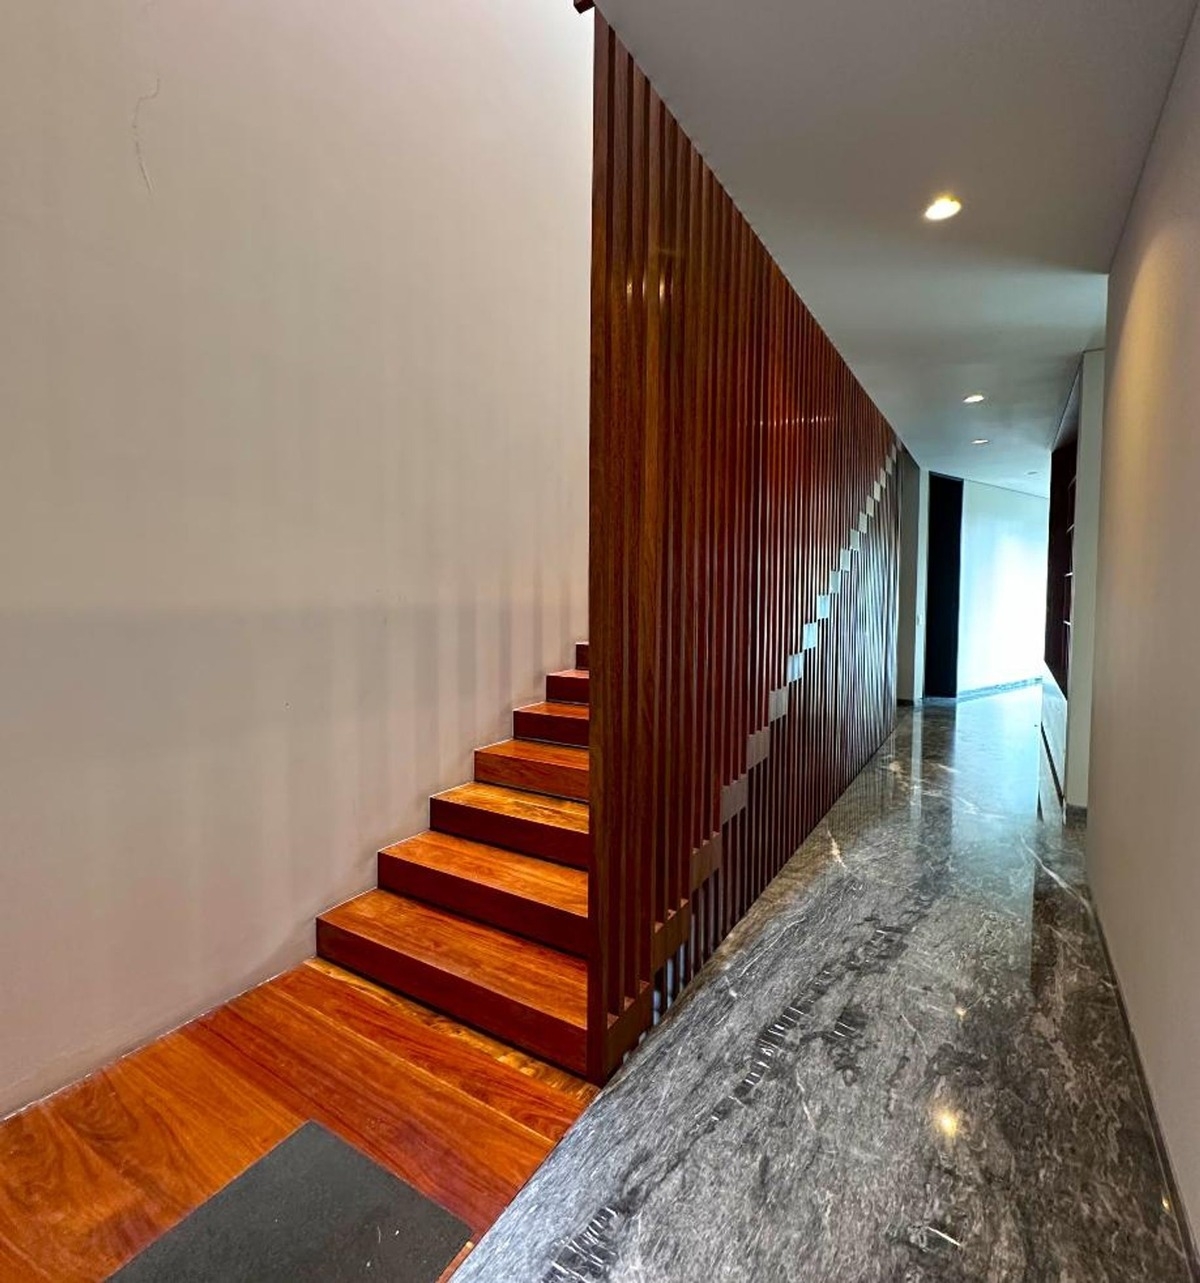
(974, 398)
(942, 208)
(948, 1123)
(981, 441)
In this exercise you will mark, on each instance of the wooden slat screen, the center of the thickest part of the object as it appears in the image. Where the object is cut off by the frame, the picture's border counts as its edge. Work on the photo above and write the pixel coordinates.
(743, 581)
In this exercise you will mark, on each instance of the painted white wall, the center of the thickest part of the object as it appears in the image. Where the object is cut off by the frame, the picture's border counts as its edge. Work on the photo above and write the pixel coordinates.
(1143, 851)
(1084, 553)
(1002, 602)
(293, 394)
(914, 574)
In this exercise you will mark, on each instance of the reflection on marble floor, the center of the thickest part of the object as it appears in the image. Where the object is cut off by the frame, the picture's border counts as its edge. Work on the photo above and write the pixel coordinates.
(907, 1063)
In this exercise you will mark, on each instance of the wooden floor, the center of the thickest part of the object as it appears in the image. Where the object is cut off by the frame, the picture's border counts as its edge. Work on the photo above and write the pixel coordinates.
(91, 1175)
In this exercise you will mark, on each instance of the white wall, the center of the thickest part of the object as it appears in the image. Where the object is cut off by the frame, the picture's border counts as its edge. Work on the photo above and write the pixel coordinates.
(914, 568)
(1143, 846)
(293, 395)
(1084, 553)
(1002, 603)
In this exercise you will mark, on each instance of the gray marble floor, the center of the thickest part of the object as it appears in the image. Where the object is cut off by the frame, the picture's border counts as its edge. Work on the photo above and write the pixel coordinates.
(907, 1063)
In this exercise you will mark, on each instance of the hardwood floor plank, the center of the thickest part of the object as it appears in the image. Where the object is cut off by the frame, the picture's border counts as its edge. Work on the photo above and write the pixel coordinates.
(64, 1211)
(403, 1117)
(537, 1106)
(576, 1089)
(179, 1123)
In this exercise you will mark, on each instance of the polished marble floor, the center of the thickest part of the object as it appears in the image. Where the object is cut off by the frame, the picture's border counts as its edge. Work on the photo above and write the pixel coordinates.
(907, 1064)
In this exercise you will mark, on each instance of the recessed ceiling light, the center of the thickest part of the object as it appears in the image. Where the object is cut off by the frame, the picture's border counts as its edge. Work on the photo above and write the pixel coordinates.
(981, 441)
(942, 208)
(974, 398)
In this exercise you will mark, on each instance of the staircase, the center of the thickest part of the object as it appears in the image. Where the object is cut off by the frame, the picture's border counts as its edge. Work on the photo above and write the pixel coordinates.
(485, 916)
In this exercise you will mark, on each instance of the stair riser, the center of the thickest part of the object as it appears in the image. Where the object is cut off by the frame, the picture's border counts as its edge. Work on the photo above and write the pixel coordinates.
(533, 777)
(552, 728)
(553, 1040)
(567, 689)
(541, 922)
(581, 654)
(546, 841)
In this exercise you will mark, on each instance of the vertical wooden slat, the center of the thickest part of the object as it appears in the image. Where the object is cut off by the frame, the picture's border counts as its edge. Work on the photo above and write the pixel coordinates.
(732, 453)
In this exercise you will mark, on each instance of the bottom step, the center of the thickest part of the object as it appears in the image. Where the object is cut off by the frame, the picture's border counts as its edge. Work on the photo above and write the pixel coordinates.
(520, 991)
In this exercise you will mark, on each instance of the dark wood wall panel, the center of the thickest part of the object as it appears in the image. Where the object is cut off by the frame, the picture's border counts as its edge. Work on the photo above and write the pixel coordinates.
(744, 534)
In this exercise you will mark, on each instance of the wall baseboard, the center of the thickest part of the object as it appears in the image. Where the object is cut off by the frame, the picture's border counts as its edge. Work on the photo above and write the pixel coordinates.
(1160, 1144)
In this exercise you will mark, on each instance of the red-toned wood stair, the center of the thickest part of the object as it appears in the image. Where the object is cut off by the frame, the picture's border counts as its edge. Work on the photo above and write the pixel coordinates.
(485, 916)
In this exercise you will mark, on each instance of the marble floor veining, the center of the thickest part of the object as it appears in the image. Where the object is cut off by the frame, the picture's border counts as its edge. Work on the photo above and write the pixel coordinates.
(907, 1063)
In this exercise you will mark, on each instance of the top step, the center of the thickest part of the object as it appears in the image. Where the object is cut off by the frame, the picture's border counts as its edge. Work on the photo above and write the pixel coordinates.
(568, 687)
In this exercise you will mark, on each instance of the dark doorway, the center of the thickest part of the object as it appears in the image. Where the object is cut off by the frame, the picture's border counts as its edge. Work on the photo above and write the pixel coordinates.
(941, 608)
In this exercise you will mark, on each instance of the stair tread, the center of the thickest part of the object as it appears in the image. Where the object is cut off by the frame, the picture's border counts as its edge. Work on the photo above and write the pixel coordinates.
(571, 686)
(526, 973)
(557, 812)
(556, 708)
(540, 751)
(555, 885)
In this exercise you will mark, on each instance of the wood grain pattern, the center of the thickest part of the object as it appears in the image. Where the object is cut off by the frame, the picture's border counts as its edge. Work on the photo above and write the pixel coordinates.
(390, 1108)
(555, 769)
(520, 990)
(555, 723)
(531, 897)
(541, 1071)
(549, 827)
(90, 1176)
(742, 558)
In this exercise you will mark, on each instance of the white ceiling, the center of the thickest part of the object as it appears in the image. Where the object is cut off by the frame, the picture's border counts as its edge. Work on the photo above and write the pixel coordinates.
(833, 123)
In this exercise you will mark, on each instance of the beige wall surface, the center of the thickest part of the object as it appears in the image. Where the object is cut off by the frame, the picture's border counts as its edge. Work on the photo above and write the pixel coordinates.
(1144, 838)
(293, 505)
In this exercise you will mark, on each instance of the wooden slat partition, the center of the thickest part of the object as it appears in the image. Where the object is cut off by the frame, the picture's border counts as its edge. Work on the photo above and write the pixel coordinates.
(743, 579)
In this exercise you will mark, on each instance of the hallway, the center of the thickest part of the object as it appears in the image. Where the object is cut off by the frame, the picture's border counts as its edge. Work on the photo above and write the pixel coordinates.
(907, 1062)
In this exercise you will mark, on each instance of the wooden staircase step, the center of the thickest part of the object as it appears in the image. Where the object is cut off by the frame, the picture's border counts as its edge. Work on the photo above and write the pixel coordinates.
(521, 991)
(569, 686)
(552, 828)
(518, 893)
(540, 768)
(555, 723)
(581, 655)
(463, 1058)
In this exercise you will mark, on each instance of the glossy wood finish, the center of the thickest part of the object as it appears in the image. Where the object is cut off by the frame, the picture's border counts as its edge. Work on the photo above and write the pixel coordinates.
(546, 902)
(550, 827)
(555, 723)
(743, 559)
(556, 769)
(490, 978)
(572, 686)
(90, 1176)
